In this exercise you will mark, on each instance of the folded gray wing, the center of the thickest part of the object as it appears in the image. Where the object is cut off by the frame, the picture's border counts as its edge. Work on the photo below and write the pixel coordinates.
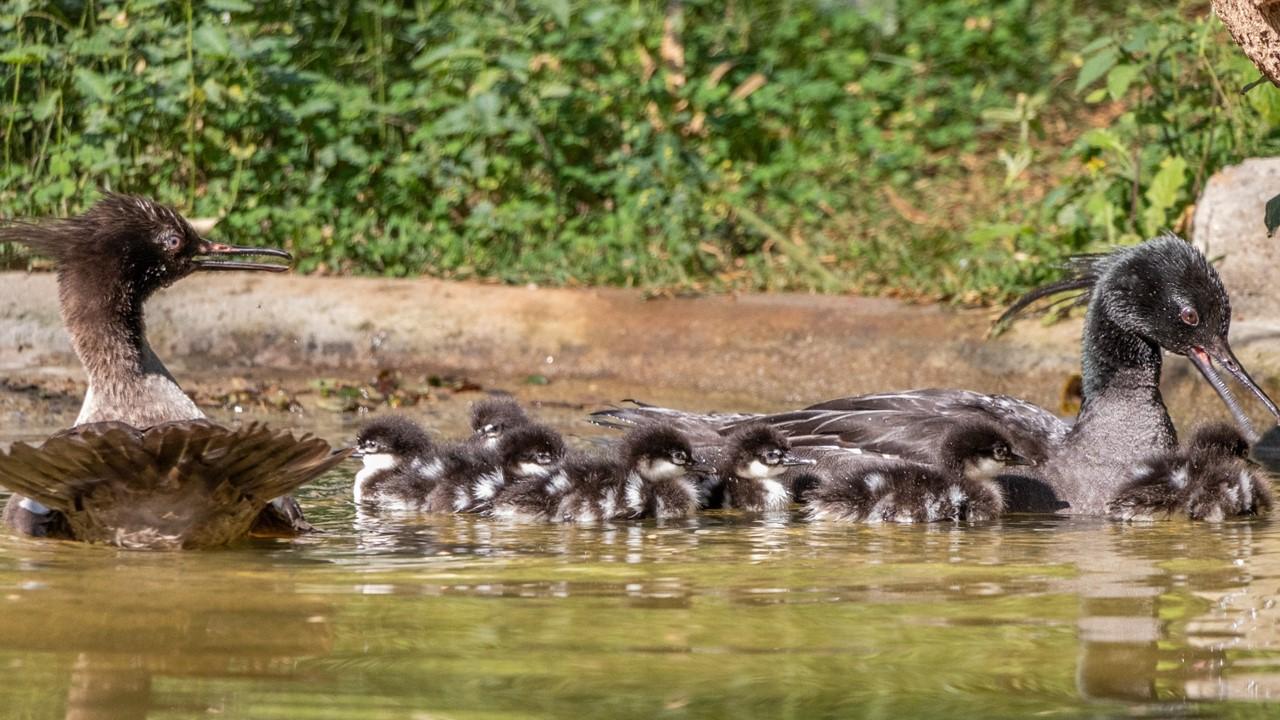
(910, 424)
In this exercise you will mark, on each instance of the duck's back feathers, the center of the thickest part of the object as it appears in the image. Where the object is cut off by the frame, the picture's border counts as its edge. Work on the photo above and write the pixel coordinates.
(181, 484)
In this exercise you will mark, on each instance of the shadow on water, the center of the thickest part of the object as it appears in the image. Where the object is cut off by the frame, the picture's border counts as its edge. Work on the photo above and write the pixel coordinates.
(393, 616)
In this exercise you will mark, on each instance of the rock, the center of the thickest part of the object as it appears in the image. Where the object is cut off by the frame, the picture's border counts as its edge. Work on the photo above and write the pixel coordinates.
(1228, 224)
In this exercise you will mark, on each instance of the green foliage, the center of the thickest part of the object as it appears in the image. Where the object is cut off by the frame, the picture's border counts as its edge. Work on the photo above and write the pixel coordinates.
(1183, 117)
(826, 145)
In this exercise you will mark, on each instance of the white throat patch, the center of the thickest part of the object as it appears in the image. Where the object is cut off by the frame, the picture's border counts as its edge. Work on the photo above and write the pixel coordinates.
(659, 469)
(759, 471)
(373, 464)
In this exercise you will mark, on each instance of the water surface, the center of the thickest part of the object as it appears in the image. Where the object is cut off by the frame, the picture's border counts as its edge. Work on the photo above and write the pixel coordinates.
(726, 616)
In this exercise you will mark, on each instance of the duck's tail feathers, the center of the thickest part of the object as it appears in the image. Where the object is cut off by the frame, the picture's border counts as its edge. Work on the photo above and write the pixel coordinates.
(195, 482)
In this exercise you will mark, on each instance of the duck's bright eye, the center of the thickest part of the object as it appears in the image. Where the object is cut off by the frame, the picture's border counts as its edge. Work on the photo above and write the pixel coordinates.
(679, 457)
(172, 243)
(1190, 316)
(773, 457)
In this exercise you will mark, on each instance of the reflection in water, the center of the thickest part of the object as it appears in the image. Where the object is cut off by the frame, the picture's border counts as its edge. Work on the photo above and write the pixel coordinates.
(411, 616)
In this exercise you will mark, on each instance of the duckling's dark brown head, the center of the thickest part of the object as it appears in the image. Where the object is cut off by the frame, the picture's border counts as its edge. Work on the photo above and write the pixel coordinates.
(131, 244)
(531, 450)
(1218, 439)
(759, 451)
(983, 448)
(659, 452)
(492, 417)
(393, 435)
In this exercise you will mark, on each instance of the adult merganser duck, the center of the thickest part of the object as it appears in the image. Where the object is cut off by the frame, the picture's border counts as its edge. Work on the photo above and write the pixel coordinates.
(143, 467)
(1162, 293)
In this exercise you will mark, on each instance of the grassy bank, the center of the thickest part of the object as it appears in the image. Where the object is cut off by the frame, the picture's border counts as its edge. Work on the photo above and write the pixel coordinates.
(946, 149)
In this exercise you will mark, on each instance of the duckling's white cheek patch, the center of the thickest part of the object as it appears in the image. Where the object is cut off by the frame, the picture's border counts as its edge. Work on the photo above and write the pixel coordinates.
(658, 470)
(760, 471)
(531, 469)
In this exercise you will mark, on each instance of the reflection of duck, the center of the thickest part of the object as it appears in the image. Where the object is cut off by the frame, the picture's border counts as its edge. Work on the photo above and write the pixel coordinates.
(751, 469)
(1209, 480)
(494, 416)
(1160, 294)
(143, 467)
(865, 488)
(655, 475)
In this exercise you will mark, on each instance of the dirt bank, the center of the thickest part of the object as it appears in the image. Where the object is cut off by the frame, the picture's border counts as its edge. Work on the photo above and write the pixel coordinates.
(756, 351)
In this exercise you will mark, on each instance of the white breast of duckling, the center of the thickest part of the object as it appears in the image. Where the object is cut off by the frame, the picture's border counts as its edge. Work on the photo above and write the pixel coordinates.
(776, 496)
(374, 463)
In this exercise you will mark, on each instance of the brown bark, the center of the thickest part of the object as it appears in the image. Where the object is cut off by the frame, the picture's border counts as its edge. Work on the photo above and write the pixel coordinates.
(1255, 26)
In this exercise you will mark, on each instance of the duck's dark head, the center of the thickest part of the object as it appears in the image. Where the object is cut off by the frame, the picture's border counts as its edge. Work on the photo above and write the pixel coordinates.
(660, 453)
(496, 415)
(531, 451)
(760, 451)
(131, 243)
(1165, 292)
(391, 436)
(982, 450)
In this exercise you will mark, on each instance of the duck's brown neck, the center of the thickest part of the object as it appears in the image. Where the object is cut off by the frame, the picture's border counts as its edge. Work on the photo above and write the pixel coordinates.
(127, 382)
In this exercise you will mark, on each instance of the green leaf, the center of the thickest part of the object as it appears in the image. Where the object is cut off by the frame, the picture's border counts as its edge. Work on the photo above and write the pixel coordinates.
(1119, 79)
(94, 85)
(1162, 192)
(1095, 67)
(229, 6)
(25, 55)
(46, 106)
(212, 41)
(1272, 218)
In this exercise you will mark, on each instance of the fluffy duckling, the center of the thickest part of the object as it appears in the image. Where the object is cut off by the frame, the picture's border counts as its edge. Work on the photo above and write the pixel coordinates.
(751, 469)
(1211, 479)
(400, 466)
(961, 486)
(494, 416)
(534, 476)
(655, 475)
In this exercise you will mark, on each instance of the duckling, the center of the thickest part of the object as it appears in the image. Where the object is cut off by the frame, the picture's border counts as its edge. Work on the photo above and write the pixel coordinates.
(532, 460)
(493, 416)
(654, 475)
(959, 486)
(754, 460)
(405, 470)
(400, 465)
(1211, 479)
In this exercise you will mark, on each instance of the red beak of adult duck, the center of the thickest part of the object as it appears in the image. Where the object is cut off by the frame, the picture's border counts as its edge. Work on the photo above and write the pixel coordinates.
(1204, 357)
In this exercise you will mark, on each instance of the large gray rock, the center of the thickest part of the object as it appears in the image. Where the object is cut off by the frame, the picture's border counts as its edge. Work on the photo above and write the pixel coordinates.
(1228, 224)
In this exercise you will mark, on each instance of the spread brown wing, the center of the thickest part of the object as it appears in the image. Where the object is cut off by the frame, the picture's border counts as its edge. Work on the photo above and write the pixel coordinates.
(182, 484)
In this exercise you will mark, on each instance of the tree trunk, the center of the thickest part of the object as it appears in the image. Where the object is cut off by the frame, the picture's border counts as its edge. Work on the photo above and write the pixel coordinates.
(1255, 26)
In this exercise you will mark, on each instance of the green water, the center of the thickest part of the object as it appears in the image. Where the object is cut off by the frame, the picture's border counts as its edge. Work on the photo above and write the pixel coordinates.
(728, 616)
